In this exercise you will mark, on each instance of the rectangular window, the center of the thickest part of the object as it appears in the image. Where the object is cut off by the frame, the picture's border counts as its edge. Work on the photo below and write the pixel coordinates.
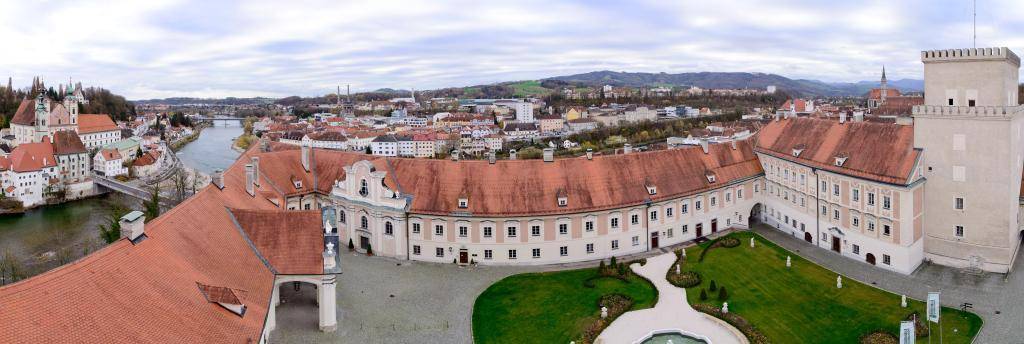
(739, 194)
(824, 210)
(835, 214)
(488, 232)
(416, 249)
(824, 186)
(856, 222)
(590, 248)
(654, 216)
(685, 208)
(668, 212)
(886, 203)
(697, 205)
(636, 241)
(714, 200)
(512, 254)
(835, 189)
(959, 231)
(634, 219)
(463, 231)
(615, 244)
(727, 195)
(416, 228)
(535, 231)
(668, 232)
(886, 229)
(488, 254)
(512, 232)
(438, 230)
(615, 222)
(959, 203)
(856, 195)
(439, 252)
(536, 253)
(871, 198)
(886, 260)
(563, 228)
(871, 226)
(589, 226)
(685, 229)
(856, 249)
(563, 251)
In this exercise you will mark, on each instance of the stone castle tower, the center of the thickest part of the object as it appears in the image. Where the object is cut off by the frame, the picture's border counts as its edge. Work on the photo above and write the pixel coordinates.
(970, 129)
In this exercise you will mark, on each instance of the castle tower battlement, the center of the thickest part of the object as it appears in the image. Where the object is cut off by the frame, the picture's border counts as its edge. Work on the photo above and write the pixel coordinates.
(970, 54)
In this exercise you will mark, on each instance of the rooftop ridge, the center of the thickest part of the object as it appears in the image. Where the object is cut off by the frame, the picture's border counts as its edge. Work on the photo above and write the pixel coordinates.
(977, 111)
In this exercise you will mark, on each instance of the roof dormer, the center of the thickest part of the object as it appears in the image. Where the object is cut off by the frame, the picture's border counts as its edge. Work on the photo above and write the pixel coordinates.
(225, 297)
(651, 189)
(798, 149)
(841, 159)
(297, 183)
(464, 200)
(710, 175)
(563, 198)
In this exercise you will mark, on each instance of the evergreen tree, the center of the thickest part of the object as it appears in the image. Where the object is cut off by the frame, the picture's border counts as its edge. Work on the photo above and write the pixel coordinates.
(713, 286)
(703, 294)
(722, 294)
(152, 205)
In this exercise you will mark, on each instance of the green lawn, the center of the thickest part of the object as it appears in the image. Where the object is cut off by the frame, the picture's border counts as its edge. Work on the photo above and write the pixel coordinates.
(802, 304)
(528, 88)
(549, 307)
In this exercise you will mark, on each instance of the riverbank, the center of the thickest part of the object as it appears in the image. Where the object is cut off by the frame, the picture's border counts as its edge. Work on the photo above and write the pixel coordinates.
(197, 130)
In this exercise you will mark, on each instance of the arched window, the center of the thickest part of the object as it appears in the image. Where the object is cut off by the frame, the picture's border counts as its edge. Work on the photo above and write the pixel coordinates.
(341, 216)
(389, 229)
(363, 188)
(363, 223)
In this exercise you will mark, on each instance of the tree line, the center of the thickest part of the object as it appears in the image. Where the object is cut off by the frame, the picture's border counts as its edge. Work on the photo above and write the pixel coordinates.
(101, 101)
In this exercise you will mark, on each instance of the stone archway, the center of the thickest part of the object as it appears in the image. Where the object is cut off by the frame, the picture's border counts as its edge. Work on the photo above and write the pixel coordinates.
(808, 238)
(755, 215)
(870, 258)
(298, 295)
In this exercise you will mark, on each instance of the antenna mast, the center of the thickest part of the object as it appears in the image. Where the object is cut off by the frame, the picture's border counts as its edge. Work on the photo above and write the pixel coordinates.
(975, 15)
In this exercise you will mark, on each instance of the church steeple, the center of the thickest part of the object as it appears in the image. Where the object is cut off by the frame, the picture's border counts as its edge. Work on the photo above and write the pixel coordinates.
(885, 86)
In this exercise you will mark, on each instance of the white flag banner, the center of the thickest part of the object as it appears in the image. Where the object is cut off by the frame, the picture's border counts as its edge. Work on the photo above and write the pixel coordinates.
(933, 307)
(907, 332)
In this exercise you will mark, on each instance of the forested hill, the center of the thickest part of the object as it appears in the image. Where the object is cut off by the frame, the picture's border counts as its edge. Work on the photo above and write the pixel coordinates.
(733, 80)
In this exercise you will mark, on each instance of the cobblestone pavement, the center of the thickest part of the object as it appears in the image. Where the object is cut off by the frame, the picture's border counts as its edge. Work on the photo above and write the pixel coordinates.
(997, 298)
(384, 300)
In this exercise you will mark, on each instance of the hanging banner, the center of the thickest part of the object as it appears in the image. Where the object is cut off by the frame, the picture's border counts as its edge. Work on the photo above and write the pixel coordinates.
(933, 307)
(907, 332)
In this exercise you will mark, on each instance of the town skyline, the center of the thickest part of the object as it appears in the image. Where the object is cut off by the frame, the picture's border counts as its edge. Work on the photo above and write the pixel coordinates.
(173, 49)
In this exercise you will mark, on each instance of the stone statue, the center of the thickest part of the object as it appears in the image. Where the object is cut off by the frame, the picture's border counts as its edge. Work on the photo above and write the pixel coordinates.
(903, 301)
(330, 248)
(789, 261)
(677, 269)
(751, 242)
(839, 282)
(604, 312)
(725, 307)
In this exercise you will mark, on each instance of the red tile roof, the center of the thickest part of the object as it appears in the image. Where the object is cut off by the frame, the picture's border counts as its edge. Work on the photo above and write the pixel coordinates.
(110, 154)
(898, 106)
(877, 151)
(26, 114)
(88, 124)
(68, 142)
(149, 158)
(876, 93)
(291, 241)
(32, 157)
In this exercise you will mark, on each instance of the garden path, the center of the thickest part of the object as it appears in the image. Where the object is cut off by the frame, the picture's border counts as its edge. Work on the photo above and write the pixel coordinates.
(672, 313)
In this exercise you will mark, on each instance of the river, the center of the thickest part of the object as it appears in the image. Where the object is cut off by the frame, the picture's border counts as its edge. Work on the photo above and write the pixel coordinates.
(42, 237)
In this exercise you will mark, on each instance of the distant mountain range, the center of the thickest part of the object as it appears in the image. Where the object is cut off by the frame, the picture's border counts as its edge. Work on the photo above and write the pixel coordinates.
(801, 87)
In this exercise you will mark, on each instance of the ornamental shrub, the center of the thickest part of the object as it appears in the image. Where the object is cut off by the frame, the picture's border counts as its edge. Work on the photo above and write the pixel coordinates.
(722, 294)
(703, 294)
(713, 286)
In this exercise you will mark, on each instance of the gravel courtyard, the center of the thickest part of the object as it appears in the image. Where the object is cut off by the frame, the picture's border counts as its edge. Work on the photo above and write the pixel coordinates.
(383, 300)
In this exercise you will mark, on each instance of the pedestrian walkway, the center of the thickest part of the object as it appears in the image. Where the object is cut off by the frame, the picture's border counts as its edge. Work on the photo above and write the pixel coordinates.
(995, 298)
(671, 314)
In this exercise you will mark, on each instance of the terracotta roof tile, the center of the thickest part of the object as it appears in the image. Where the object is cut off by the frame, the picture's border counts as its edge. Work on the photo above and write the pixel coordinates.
(88, 124)
(291, 241)
(877, 151)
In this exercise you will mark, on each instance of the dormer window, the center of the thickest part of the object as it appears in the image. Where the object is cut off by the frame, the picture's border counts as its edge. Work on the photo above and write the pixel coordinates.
(225, 297)
(563, 201)
(841, 159)
(463, 203)
(798, 149)
(710, 175)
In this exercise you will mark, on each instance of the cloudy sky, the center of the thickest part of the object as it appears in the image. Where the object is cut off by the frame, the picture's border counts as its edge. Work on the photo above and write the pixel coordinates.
(210, 48)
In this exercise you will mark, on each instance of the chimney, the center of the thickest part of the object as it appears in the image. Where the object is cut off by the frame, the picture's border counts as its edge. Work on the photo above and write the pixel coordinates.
(511, 154)
(455, 155)
(305, 157)
(549, 154)
(256, 171)
(627, 148)
(733, 143)
(842, 117)
(704, 145)
(590, 154)
(248, 180)
(133, 226)
(217, 179)
(265, 145)
(858, 116)
(492, 158)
